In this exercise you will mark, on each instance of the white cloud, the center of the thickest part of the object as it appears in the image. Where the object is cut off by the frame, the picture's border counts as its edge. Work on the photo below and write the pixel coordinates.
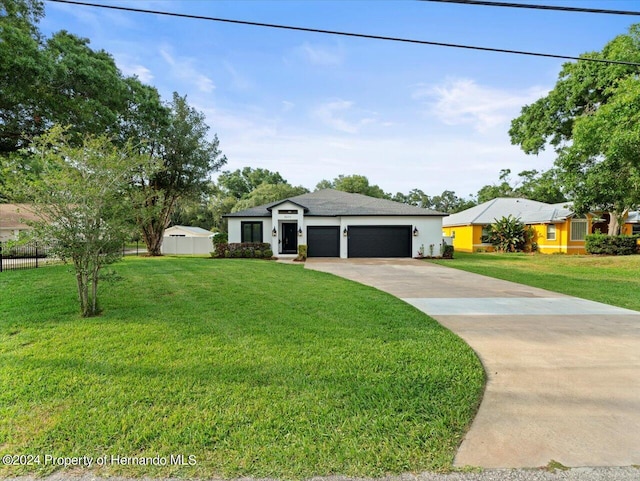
(464, 102)
(238, 81)
(183, 69)
(339, 115)
(322, 56)
(287, 106)
(129, 67)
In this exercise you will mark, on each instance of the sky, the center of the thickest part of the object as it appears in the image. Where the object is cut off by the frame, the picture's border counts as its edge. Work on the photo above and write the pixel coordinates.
(314, 106)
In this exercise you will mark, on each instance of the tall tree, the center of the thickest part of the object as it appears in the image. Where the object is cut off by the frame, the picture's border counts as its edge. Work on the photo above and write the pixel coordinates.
(265, 193)
(187, 160)
(598, 171)
(502, 189)
(81, 203)
(240, 183)
(530, 184)
(232, 186)
(22, 70)
(541, 186)
(356, 184)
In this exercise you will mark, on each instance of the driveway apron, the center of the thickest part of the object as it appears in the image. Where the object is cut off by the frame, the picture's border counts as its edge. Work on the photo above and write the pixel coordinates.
(563, 374)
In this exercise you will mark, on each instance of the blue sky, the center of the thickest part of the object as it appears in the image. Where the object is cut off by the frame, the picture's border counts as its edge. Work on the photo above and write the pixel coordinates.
(314, 106)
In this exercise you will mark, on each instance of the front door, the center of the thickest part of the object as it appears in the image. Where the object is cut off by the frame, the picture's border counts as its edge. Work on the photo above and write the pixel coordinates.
(289, 238)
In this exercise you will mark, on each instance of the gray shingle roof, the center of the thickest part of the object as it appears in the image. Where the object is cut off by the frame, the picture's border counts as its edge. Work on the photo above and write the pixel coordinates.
(333, 203)
(528, 211)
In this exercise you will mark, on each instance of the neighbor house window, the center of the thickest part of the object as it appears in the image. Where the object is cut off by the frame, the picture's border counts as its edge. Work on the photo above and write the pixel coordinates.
(578, 229)
(635, 229)
(251, 231)
(484, 238)
(551, 232)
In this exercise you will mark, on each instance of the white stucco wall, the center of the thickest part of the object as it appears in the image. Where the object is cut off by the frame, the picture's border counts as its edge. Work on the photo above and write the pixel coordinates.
(429, 228)
(235, 229)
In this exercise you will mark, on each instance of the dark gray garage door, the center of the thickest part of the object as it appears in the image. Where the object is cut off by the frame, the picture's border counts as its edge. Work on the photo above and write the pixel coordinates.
(380, 241)
(323, 241)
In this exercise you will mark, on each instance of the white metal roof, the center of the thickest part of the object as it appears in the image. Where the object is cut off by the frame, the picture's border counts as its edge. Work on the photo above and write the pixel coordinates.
(528, 211)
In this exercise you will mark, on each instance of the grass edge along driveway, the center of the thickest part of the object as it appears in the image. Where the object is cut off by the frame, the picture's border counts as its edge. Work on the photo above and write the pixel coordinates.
(611, 280)
(254, 368)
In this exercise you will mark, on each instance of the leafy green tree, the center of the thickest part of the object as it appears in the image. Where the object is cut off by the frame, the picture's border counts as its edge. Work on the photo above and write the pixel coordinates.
(450, 203)
(508, 234)
(265, 193)
(240, 183)
(22, 70)
(541, 186)
(81, 203)
(494, 191)
(233, 186)
(188, 159)
(598, 169)
(530, 184)
(356, 184)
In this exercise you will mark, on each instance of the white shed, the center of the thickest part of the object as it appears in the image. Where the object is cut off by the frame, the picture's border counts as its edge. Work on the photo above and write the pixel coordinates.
(181, 239)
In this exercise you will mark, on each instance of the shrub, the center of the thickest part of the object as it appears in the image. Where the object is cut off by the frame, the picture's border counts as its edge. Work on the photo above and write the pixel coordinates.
(446, 251)
(268, 253)
(220, 238)
(257, 253)
(615, 245)
(241, 250)
(302, 253)
(508, 234)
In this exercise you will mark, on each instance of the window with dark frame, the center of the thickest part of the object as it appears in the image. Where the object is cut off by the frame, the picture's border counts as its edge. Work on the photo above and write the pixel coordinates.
(485, 236)
(251, 231)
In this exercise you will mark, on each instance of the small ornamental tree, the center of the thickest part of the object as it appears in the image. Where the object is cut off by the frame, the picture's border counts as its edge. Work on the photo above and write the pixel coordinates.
(508, 234)
(82, 205)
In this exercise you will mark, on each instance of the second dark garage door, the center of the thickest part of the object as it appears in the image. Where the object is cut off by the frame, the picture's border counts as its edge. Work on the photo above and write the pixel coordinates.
(323, 241)
(380, 241)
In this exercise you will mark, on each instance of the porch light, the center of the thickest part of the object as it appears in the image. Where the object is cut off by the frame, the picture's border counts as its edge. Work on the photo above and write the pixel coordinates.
(300, 231)
(344, 232)
(415, 231)
(274, 232)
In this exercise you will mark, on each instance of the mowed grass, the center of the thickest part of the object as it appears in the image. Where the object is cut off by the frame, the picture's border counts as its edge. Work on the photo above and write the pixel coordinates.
(255, 368)
(612, 280)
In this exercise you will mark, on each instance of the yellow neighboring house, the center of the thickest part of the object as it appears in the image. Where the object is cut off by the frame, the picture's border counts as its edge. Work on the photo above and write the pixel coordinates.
(556, 228)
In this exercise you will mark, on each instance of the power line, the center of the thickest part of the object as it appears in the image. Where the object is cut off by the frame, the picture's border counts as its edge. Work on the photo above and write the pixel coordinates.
(486, 3)
(346, 34)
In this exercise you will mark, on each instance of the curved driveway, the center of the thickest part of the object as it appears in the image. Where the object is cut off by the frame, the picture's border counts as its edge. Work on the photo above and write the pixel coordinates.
(563, 374)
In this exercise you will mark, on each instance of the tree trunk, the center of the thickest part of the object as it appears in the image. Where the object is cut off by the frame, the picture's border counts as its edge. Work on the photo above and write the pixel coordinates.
(153, 239)
(94, 290)
(83, 291)
(616, 219)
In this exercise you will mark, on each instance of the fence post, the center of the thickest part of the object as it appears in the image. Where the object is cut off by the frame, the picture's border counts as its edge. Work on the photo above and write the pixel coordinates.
(0, 256)
(36, 255)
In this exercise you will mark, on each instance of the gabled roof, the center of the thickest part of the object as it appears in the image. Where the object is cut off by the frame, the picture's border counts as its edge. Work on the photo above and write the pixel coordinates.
(333, 203)
(528, 211)
(196, 231)
(12, 216)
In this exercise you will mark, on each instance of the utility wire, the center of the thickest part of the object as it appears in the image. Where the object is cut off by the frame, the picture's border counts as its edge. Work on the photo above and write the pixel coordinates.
(486, 3)
(346, 34)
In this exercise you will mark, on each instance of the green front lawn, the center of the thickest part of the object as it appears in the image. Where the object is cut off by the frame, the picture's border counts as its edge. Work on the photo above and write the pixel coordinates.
(611, 280)
(255, 368)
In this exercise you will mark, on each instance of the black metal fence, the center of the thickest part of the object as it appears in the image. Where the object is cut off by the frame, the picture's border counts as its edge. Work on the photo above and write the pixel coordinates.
(21, 256)
(30, 256)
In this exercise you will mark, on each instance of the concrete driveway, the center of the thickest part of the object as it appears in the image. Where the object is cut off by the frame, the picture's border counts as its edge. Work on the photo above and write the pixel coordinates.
(563, 373)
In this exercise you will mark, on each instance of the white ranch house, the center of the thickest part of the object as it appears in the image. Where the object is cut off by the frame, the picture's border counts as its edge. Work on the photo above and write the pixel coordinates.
(339, 224)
